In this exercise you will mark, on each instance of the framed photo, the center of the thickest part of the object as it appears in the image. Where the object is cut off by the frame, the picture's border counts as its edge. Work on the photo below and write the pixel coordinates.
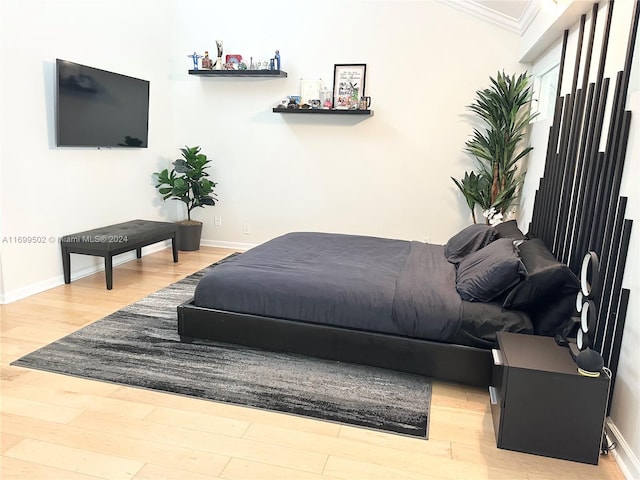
(310, 89)
(348, 85)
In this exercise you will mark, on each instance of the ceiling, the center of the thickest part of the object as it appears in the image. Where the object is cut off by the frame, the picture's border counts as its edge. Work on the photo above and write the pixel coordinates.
(513, 9)
(514, 15)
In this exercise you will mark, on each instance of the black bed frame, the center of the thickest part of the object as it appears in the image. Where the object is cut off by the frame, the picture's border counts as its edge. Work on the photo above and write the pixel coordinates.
(456, 363)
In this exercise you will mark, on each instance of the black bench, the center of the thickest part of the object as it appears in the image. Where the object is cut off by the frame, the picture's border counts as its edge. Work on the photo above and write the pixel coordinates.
(114, 240)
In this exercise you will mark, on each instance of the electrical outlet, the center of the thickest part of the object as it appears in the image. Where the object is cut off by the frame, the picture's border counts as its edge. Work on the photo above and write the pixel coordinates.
(246, 229)
(217, 220)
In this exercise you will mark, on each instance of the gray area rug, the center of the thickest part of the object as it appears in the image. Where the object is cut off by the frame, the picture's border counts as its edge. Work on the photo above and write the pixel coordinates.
(139, 346)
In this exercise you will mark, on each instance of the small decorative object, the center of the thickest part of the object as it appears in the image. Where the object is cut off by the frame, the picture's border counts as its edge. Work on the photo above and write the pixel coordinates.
(194, 56)
(493, 217)
(365, 103)
(242, 66)
(348, 85)
(294, 101)
(207, 63)
(234, 58)
(251, 65)
(277, 58)
(219, 61)
(272, 64)
(309, 89)
(325, 97)
(229, 66)
(315, 104)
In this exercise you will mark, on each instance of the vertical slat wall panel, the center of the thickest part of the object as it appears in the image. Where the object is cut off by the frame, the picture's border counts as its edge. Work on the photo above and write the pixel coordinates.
(538, 217)
(578, 139)
(578, 207)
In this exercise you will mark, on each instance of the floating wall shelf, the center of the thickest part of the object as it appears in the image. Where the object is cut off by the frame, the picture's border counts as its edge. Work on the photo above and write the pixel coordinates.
(321, 111)
(239, 73)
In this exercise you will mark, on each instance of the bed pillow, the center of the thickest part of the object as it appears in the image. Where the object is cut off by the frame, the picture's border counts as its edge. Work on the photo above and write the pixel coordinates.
(547, 278)
(468, 240)
(554, 317)
(509, 229)
(489, 272)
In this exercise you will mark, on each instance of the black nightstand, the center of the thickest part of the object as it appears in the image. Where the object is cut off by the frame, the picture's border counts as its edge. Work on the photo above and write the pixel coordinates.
(540, 404)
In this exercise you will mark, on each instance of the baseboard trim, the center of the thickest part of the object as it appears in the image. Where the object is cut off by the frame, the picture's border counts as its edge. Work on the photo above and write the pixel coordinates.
(58, 280)
(231, 245)
(624, 456)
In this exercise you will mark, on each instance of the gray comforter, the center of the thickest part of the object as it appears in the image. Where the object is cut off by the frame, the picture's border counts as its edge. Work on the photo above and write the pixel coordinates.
(368, 283)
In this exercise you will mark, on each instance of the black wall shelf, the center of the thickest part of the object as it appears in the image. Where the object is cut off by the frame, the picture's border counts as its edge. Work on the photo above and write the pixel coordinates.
(239, 73)
(321, 111)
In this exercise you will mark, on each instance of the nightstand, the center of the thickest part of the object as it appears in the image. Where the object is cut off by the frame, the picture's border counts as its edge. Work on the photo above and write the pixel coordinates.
(540, 404)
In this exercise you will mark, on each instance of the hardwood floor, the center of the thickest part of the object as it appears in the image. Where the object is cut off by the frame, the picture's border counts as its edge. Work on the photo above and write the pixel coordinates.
(58, 427)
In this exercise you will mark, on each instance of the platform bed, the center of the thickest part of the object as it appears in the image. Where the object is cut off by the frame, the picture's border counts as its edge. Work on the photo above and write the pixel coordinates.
(386, 303)
(456, 363)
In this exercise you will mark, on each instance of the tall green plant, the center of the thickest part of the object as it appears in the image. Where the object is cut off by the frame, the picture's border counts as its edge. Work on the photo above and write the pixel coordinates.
(504, 110)
(187, 181)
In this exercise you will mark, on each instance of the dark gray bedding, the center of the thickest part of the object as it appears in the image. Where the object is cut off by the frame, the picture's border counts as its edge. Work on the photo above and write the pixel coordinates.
(368, 283)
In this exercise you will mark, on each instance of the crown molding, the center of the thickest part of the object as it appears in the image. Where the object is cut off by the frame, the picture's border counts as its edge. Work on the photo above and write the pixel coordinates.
(530, 12)
(509, 23)
(484, 13)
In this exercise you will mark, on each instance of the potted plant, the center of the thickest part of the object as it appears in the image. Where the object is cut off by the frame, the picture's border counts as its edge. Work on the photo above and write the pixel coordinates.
(504, 109)
(187, 181)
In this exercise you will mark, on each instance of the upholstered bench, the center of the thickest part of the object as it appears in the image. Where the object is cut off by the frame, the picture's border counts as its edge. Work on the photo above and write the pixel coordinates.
(114, 240)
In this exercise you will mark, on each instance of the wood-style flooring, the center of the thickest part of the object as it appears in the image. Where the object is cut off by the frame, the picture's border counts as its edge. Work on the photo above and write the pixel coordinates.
(59, 427)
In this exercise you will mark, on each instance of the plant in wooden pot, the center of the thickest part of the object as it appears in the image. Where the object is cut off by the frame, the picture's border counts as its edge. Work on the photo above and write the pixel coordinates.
(504, 110)
(188, 182)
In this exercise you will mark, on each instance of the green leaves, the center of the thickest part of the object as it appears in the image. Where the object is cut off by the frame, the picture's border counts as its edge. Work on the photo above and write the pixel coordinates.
(188, 181)
(474, 188)
(503, 108)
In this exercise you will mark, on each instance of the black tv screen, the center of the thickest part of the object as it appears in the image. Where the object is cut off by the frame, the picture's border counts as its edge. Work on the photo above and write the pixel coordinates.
(96, 108)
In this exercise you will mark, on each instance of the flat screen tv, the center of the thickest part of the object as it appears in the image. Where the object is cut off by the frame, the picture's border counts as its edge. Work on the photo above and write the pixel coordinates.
(97, 108)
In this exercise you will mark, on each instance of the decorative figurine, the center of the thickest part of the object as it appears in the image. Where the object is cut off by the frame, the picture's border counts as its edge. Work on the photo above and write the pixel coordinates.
(219, 62)
(207, 63)
(272, 64)
(195, 58)
(277, 58)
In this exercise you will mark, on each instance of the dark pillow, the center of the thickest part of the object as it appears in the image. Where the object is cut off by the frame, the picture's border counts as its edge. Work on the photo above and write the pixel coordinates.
(489, 272)
(547, 278)
(509, 229)
(554, 317)
(468, 240)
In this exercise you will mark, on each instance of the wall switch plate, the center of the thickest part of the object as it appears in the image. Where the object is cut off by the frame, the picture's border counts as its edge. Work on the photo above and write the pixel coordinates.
(217, 220)
(246, 229)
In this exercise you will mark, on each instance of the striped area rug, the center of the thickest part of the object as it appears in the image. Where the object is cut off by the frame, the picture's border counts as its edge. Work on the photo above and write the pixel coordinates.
(139, 346)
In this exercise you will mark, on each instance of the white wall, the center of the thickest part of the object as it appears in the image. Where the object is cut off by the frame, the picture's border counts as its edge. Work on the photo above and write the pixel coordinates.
(624, 421)
(387, 175)
(48, 191)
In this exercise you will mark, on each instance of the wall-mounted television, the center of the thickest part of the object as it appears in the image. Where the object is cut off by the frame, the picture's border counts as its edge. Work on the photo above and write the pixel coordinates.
(97, 108)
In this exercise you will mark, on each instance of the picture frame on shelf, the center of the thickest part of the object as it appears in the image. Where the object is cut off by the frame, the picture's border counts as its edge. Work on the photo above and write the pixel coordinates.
(348, 85)
(236, 58)
(310, 89)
